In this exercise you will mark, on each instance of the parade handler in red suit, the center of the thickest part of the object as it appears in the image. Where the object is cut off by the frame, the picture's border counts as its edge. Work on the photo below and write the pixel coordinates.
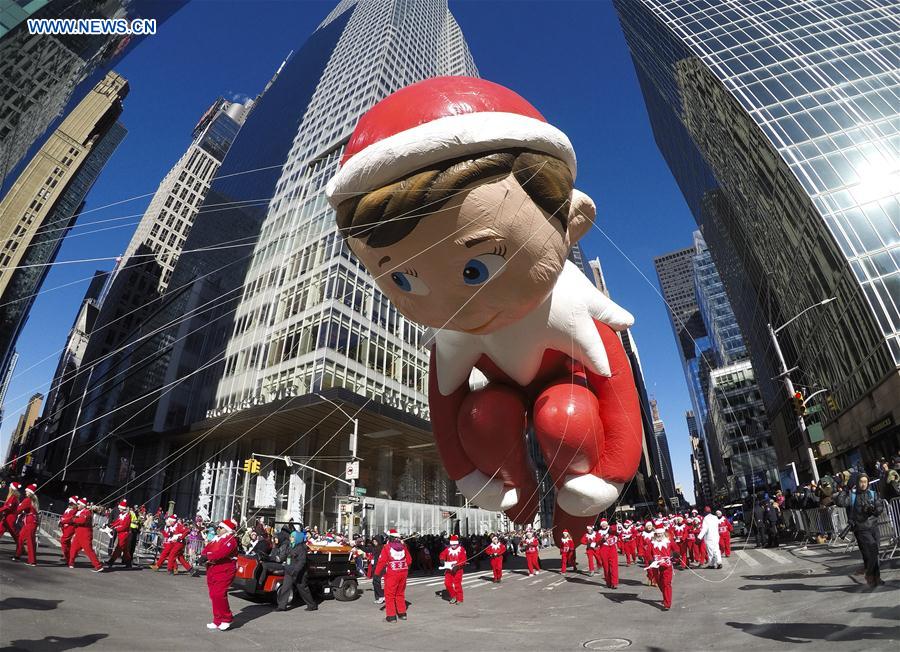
(609, 553)
(660, 569)
(458, 197)
(172, 552)
(591, 541)
(28, 509)
(679, 535)
(453, 559)
(394, 562)
(566, 551)
(725, 528)
(495, 552)
(83, 539)
(530, 546)
(629, 543)
(67, 528)
(220, 555)
(122, 531)
(8, 511)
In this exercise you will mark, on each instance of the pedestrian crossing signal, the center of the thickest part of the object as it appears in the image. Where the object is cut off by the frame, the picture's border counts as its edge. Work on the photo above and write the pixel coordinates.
(251, 466)
(799, 406)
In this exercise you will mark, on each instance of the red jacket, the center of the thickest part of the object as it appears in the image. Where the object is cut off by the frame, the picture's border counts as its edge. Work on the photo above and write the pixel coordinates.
(457, 555)
(530, 546)
(679, 533)
(122, 523)
(611, 538)
(591, 539)
(26, 507)
(661, 551)
(392, 561)
(9, 507)
(175, 533)
(83, 518)
(567, 545)
(221, 551)
(725, 526)
(65, 521)
(493, 551)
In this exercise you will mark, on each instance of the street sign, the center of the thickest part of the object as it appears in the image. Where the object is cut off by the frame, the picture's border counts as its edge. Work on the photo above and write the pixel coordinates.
(350, 499)
(360, 491)
(370, 505)
(352, 472)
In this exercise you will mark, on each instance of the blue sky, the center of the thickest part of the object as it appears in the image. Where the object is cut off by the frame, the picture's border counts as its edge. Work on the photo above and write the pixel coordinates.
(568, 58)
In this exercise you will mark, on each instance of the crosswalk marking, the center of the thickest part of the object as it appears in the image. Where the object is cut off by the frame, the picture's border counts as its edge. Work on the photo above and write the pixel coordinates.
(747, 558)
(555, 584)
(775, 556)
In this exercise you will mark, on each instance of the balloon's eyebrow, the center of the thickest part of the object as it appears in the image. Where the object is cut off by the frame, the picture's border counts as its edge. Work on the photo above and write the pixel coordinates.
(477, 241)
(384, 260)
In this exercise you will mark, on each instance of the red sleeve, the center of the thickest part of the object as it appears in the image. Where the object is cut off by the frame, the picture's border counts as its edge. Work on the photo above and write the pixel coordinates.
(221, 549)
(382, 561)
(444, 412)
(620, 411)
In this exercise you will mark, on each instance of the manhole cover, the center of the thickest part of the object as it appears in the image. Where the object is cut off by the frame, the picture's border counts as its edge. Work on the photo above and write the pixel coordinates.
(607, 644)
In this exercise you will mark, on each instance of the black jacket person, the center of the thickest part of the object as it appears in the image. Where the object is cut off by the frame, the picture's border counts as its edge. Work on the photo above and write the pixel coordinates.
(295, 574)
(863, 509)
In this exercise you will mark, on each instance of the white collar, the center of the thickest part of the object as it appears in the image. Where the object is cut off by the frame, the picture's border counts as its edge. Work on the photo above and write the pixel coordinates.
(563, 322)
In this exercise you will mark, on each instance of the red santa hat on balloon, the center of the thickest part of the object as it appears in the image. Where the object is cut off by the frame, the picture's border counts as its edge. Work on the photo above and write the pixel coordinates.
(440, 119)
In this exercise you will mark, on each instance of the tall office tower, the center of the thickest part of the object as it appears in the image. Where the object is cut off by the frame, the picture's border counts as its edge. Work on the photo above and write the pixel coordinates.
(40, 74)
(143, 272)
(5, 380)
(703, 492)
(648, 485)
(26, 420)
(718, 318)
(65, 379)
(664, 459)
(44, 202)
(779, 122)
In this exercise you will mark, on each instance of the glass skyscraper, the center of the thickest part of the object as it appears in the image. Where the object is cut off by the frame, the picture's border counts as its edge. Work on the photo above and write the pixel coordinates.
(779, 121)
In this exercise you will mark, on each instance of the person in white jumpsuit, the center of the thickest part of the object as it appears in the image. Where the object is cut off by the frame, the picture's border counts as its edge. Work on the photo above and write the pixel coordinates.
(709, 534)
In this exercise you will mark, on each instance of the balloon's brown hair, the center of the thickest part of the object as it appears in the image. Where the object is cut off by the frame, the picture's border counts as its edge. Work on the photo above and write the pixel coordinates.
(385, 216)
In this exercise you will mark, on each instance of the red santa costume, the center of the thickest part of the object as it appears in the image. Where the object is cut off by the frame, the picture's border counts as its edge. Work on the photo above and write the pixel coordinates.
(725, 528)
(678, 533)
(659, 572)
(566, 550)
(122, 528)
(453, 558)
(172, 553)
(394, 562)
(698, 544)
(644, 542)
(495, 552)
(29, 514)
(530, 546)
(609, 556)
(221, 567)
(83, 539)
(591, 542)
(561, 367)
(629, 542)
(67, 529)
(8, 511)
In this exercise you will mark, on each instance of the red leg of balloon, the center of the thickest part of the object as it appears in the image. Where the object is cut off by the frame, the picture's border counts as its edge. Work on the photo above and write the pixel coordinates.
(491, 428)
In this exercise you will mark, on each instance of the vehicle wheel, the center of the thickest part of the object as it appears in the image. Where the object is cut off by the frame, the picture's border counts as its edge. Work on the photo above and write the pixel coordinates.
(346, 590)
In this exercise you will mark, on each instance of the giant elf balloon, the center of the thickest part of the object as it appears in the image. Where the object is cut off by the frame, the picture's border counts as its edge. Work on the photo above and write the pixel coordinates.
(458, 196)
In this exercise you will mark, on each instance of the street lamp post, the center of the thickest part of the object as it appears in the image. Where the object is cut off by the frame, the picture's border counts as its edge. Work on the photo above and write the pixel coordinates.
(785, 373)
(353, 446)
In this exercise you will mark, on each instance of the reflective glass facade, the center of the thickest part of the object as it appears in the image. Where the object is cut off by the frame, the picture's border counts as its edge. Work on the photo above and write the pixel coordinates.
(779, 120)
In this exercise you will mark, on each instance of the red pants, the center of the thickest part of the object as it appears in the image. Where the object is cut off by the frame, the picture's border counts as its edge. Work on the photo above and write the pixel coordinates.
(725, 543)
(26, 536)
(662, 577)
(700, 552)
(65, 541)
(565, 560)
(395, 593)
(172, 554)
(218, 581)
(630, 550)
(8, 524)
(609, 559)
(83, 540)
(593, 556)
(123, 547)
(497, 567)
(533, 564)
(453, 584)
(683, 549)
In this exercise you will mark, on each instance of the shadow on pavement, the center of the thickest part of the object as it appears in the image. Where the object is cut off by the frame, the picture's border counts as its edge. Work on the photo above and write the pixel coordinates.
(851, 588)
(54, 643)
(884, 613)
(251, 613)
(808, 632)
(34, 604)
(621, 598)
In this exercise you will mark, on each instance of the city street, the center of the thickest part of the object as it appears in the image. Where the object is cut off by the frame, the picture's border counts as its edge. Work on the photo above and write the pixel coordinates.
(760, 600)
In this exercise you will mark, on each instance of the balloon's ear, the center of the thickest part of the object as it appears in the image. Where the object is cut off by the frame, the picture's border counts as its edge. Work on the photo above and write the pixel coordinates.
(582, 212)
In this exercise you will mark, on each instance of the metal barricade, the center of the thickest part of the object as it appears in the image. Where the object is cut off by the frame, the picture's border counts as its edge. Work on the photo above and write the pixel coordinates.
(48, 526)
(149, 545)
(892, 513)
(192, 550)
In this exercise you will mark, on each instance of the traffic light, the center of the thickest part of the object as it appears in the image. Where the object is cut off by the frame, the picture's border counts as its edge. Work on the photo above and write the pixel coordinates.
(832, 404)
(799, 407)
(251, 466)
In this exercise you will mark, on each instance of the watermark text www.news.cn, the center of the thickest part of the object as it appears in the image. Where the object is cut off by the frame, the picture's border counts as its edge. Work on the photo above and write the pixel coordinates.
(122, 26)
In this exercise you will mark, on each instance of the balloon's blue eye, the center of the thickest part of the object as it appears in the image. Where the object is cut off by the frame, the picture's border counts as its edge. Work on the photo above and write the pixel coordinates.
(401, 281)
(479, 269)
(475, 272)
